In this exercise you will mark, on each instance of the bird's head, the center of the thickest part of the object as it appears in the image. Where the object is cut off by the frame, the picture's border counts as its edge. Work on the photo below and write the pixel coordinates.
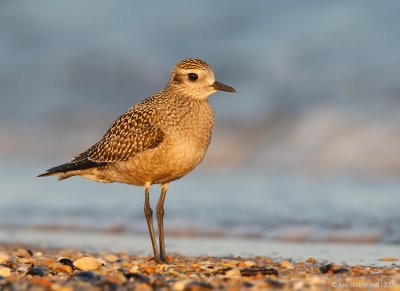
(195, 78)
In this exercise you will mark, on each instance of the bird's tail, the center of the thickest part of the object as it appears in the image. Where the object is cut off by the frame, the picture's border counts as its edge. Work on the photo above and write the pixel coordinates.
(62, 170)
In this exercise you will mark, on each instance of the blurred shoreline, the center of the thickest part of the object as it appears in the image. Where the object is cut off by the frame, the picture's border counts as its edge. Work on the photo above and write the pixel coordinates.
(139, 245)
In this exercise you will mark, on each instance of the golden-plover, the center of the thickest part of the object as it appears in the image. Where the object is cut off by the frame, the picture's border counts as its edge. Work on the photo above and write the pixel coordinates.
(156, 141)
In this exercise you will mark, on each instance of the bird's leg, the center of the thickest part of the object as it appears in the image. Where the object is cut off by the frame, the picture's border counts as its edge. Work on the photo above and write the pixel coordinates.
(160, 220)
(148, 213)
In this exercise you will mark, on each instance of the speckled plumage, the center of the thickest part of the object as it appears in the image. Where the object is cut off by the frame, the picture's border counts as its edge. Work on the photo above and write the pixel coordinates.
(157, 140)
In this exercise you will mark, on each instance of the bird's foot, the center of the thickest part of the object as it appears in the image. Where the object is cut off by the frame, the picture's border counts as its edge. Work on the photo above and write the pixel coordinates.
(161, 260)
(165, 259)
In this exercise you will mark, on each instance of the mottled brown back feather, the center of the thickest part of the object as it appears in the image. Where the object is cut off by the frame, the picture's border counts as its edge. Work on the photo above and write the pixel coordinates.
(130, 134)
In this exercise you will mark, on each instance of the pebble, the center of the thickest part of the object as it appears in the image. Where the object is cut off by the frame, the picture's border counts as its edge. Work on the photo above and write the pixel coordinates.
(340, 271)
(66, 262)
(24, 253)
(247, 264)
(87, 264)
(286, 265)
(4, 258)
(134, 269)
(4, 271)
(36, 271)
(60, 268)
(253, 271)
(110, 258)
(43, 271)
(388, 259)
(233, 273)
(149, 270)
(137, 277)
(180, 285)
(250, 263)
(143, 287)
(327, 268)
(311, 260)
(24, 260)
(86, 275)
(198, 286)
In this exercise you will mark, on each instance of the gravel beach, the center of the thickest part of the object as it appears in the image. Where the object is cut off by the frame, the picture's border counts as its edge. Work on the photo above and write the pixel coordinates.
(41, 268)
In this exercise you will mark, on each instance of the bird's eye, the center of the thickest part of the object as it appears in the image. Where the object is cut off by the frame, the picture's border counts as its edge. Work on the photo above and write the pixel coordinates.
(193, 76)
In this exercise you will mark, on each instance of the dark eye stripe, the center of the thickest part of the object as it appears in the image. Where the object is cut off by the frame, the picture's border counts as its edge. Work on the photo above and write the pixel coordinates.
(193, 76)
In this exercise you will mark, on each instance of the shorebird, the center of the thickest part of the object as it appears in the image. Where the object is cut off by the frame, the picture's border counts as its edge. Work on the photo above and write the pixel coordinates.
(156, 141)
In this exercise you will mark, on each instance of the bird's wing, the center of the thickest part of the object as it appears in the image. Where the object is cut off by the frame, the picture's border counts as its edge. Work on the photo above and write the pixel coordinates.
(130, 134)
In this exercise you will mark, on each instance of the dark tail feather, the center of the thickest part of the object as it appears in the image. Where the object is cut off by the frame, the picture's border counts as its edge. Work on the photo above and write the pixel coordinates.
(72, 166)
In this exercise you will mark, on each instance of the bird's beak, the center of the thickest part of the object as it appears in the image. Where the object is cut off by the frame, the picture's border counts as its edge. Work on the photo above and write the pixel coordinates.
(219, 86)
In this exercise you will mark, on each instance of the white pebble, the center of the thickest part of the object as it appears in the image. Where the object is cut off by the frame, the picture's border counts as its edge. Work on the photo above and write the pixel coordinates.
(4, 258)
(233, 273)
(87, 264)
(4, 271)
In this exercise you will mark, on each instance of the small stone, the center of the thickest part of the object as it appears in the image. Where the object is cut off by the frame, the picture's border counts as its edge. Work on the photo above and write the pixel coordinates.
(4, 258)
(327, 268)
(36, 271)
(134, 269)
(67, 262)
(198, 286)
(388, 259)
(24, 253)
(273, 283)
(340, 271)
(87, 264)
(143, 287)
(253, 271)
(249, 263)
(42, 282)
(246, 264)
(4, 271)
(86, 275)
(137, 277)
(149, 270)
(286, 265)
(23, 260)
(60, 268)
(38, 254)
(110, 258)
(180, 285)
(233, 273)
(311, 260)
(299, 285)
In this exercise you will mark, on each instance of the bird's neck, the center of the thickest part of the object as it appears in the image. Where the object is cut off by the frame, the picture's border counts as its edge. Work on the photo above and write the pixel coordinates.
(184, 93)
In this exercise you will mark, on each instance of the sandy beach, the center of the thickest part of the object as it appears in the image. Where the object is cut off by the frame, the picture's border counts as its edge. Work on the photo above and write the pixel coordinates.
(40, 268)
(65, 260)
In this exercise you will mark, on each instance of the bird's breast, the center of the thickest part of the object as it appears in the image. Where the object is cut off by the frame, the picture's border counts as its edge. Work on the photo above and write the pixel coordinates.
(187, 134)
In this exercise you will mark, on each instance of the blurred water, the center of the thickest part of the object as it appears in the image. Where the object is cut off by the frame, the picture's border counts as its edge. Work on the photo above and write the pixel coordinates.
(214, 203)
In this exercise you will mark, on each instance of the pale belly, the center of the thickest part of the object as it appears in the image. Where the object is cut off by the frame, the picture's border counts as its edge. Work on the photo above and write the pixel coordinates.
(168, 162)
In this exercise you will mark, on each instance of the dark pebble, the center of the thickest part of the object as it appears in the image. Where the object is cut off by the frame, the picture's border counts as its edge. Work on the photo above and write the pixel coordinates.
(222, 271)
(29, 252)
(326, 268)
(67, 262)
(86, 275)
(340, 271)
(253, 271)
(274, 283)
(137, 277)
(36, 271)
(111, 286)
(198, 285)
(210, 267)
